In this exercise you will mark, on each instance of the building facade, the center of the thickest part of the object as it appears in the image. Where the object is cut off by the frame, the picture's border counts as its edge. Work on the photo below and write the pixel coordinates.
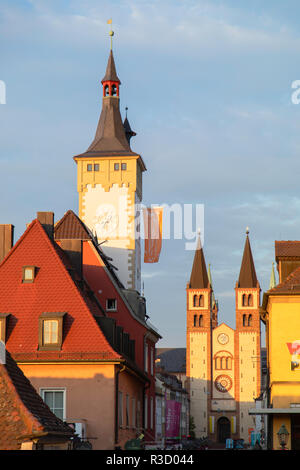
(280, 313)
(223, 364)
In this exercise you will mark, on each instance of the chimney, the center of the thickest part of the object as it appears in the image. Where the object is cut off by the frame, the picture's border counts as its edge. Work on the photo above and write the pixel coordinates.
(47, 221)
(6, 239)
(73, 248)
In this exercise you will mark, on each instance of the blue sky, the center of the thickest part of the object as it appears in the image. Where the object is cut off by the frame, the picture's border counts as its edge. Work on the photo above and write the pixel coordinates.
(208, 87)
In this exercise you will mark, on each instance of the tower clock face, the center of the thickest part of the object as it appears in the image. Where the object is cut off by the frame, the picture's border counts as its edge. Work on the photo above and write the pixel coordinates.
(106, 221)
(223, 338)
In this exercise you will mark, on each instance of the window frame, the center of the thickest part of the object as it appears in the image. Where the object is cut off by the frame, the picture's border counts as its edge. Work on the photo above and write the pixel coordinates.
(42, 391)
(59, 316)
(123, 166)
(116, 166)
(115, 308)
(89, 167)
(33, 270)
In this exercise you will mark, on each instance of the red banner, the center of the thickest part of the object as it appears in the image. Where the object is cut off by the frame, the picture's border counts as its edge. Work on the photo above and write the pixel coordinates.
(173, 410)
(153, 233)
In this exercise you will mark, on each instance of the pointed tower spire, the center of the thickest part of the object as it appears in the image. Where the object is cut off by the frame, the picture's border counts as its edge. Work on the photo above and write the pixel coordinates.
(247, 277)
(111, 137)
(273, 278)
(111, 72)
(199, 278)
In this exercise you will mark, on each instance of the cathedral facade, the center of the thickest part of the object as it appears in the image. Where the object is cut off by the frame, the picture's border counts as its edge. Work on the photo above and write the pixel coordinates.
(223, 364)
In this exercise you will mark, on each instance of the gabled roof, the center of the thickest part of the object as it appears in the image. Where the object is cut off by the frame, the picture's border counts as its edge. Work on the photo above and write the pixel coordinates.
(23, 413)
(55, 289)
(247, 277)
(71, 227)
(199, 277)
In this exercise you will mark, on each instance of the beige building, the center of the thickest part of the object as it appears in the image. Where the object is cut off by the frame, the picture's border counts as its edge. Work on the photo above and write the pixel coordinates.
(223, 364)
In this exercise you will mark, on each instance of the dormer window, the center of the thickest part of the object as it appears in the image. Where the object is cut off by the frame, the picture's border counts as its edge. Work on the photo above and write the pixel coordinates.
(51, 330)
(111, 305)
(28, 273)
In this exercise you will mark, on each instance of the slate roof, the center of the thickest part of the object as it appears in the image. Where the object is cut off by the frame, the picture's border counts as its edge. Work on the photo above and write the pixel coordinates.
(23, 413)
(55, 289)
(172, 359)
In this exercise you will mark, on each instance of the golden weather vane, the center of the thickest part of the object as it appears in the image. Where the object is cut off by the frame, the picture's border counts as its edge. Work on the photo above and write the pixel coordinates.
(111, 33)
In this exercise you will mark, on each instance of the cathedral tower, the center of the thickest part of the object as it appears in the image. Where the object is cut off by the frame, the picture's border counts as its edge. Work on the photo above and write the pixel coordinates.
(198, 342)
(247, 345)
(109, 183)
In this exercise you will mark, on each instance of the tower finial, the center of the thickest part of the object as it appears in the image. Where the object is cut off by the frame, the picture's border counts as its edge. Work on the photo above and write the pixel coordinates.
(111, 33)
(247, 230)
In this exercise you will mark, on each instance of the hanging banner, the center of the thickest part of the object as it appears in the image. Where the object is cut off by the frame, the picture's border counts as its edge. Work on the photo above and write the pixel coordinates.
(153, 233)
(172, 410)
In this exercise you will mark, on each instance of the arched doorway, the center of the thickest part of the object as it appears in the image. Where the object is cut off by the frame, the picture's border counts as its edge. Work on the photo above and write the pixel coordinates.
(223, 429)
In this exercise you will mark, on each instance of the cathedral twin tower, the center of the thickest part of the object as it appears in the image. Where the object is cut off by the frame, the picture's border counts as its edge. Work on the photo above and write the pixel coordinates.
(222, 364)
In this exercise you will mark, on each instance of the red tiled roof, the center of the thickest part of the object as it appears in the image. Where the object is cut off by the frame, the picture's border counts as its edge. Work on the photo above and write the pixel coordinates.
(287, 248)
(22, 410)
(53, 290)
(289, 286)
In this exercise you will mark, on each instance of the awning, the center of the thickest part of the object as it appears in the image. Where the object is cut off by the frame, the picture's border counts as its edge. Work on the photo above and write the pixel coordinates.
(274, 411)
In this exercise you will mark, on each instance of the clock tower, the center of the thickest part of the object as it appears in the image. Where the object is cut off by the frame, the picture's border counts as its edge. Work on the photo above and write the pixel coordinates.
(109, 184)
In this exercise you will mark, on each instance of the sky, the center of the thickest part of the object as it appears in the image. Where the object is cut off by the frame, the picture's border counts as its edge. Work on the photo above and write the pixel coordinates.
(208, 85)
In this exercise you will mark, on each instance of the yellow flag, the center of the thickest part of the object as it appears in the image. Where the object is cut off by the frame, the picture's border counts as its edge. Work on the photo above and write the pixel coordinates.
(109, 21)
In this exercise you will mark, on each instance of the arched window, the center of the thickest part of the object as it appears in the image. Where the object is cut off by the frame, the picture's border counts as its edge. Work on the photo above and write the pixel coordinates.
(106, 90)
(195, 320)
(201, 301)
(113, 90)
(244, 300)
(218, 363)
(244, 320)
(250, 320)
(228, 363)
(195, 300)
(223, 361)
(250, 300)
(201, 320)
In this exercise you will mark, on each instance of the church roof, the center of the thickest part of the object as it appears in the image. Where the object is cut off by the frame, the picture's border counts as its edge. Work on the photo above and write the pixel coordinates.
(247, 277)
(172, 359)
(199, 277)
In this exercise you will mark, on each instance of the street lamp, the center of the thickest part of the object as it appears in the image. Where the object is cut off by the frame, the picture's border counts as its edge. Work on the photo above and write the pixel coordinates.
(283, 436)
